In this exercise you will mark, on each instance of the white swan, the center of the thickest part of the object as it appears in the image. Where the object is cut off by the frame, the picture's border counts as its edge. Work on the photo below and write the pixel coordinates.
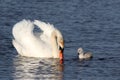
(46, 44)
(82, 55)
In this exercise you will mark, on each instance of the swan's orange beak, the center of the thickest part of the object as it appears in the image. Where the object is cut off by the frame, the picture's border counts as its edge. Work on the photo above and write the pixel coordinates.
(61, 49)
(61, 56)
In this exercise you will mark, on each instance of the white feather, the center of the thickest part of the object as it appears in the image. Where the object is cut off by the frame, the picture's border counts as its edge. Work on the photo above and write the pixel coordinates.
(26, 43)
(41, 44)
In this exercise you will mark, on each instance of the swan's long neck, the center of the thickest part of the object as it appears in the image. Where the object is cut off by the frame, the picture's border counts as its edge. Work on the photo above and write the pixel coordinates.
(54, 43)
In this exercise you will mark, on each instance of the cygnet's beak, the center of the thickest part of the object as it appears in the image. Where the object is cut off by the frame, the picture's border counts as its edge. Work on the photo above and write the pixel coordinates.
(61, 56)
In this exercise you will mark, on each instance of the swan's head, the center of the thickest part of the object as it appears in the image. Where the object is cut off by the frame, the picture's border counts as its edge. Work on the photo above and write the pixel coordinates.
(60, 42)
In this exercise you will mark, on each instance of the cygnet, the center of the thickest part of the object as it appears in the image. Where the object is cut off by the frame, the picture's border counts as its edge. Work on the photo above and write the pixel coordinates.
(82, 55)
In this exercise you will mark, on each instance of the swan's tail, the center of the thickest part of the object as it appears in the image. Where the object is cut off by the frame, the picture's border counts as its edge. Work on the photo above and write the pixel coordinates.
(45, 27)
(22, 29)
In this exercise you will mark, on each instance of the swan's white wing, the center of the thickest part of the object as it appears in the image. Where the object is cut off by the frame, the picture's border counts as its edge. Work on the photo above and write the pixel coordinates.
(47, 30)
(45, 27)
(26, 43)
(22, 29)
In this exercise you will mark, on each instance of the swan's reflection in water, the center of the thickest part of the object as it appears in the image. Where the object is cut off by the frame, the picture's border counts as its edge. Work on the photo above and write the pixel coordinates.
(32, 68)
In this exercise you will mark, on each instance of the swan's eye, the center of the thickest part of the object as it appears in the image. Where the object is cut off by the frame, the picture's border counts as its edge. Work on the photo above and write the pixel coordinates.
(60, 48)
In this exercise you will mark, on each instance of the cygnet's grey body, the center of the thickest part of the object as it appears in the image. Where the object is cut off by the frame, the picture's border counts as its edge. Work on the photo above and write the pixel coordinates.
(82, 55)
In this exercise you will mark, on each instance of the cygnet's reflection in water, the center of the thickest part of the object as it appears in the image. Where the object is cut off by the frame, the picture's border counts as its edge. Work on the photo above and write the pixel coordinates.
(34, 68)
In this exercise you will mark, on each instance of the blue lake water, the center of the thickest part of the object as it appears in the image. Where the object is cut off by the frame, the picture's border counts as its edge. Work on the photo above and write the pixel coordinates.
(93, 25)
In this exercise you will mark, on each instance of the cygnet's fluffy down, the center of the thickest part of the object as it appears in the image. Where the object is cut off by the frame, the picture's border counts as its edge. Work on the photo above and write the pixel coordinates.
(82, 55)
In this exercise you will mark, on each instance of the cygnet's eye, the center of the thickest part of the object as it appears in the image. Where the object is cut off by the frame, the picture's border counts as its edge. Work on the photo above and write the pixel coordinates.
(79, 50)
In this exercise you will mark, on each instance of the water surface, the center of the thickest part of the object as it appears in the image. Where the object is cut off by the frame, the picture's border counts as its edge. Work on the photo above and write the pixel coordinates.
(93, 25)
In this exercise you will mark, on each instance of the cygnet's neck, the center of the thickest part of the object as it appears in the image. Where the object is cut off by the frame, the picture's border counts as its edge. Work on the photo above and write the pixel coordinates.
(81, 55)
